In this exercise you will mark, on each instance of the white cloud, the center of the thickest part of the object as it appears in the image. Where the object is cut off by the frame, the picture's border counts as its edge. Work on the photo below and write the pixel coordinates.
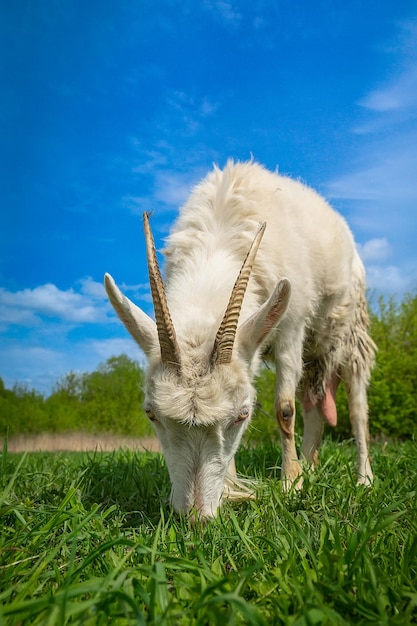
(380, 201)
(385, 171)
(163, 187)
(380, 184)
(12, 314)
(208, 107)
(46, 332)
(375, 250)
(110, 347)
(173, 188)
(378, 189)
(139, 292)
(382, 100)
(170, 189)
(29, 306)
(381, 277)
(226, 11)
(40, 368)
(389, 279)
(136, 204)
(187, 113)
(151, 160)
(399, 92)
(92, 288)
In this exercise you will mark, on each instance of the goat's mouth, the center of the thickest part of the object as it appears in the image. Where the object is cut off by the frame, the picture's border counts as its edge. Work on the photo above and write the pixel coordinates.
(197, 514)
(196, 504)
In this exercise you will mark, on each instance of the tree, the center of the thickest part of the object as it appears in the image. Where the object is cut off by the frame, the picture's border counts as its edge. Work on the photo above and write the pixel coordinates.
(64, 404)
(22, 410)
(107, 400)
(392, 394)
(112, 397)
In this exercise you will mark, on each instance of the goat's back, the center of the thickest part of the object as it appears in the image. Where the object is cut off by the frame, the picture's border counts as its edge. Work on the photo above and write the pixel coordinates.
(305, 239)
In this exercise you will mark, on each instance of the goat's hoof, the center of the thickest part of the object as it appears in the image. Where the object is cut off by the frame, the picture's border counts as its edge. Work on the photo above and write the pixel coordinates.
(292, 479)
(292, 485)
(366, 481)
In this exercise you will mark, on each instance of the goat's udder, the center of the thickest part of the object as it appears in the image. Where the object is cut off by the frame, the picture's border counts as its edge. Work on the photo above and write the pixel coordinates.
(326, 405)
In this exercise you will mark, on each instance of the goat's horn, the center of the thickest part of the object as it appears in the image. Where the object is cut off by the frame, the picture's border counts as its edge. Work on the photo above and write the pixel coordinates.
(225, 338)
(170, 353)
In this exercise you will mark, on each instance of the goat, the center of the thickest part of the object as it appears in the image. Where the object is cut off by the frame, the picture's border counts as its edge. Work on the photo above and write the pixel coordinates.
(256, 262)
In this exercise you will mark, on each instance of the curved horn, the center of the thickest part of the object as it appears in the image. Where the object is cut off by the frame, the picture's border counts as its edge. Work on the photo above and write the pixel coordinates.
(170, 353)
(225, 338)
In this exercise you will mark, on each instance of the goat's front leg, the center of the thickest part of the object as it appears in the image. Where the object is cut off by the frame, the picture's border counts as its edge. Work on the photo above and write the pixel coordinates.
(288, 373)
(291, 468)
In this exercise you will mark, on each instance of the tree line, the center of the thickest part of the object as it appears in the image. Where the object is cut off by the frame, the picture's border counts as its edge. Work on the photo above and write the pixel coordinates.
(110, 399)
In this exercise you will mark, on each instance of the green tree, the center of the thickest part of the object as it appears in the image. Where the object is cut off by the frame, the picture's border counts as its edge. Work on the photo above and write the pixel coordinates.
(22, 410)
(392, 394)
(64, 404)
(8, 409)
(112, 398)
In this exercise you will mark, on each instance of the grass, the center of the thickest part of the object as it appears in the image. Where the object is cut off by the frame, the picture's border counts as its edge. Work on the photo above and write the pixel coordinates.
(88, 539)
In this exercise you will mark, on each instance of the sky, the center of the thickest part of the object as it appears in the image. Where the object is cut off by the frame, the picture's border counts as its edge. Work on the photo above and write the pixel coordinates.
(108, 109)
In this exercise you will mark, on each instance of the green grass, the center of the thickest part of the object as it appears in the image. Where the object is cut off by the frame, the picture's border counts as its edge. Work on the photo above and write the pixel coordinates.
(89, 540)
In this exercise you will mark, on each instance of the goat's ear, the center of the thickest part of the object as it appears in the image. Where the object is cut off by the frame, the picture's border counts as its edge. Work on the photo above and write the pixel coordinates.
(140, 326)
(254, 332)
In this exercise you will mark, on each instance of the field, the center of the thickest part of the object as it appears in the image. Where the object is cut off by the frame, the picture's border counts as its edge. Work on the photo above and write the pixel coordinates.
(79, 442)
(88, 538)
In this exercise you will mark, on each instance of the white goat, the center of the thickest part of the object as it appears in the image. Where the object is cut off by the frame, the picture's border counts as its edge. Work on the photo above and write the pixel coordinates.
(260, 249)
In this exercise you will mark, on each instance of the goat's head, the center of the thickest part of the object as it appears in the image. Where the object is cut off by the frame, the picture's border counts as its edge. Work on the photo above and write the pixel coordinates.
(199, 401)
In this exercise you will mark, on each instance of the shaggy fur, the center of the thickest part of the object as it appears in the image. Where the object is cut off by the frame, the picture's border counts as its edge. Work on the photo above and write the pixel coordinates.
(304, 305)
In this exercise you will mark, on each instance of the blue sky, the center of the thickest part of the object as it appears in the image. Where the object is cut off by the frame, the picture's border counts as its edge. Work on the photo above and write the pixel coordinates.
(112, 108)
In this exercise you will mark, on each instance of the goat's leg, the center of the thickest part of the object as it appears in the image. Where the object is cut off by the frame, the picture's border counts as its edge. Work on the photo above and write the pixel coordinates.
(315, 413)
(313, 434)
(291, 468)
(231, 470)
(358, 413)
(289, 366)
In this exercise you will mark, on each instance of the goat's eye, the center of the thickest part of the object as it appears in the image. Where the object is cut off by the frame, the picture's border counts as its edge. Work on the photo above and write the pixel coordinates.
(150, 415)
(242, 416)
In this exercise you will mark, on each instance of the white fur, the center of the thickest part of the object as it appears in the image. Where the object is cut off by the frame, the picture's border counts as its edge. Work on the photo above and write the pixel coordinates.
(317, 332)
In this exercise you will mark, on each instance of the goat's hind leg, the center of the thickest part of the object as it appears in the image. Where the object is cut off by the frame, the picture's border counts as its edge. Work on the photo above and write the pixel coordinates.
(356, 372)
(313, 434)
(315, 414)
(356, 389)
